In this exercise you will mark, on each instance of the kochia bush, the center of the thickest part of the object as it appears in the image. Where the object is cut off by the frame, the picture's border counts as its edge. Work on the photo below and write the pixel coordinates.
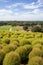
(24, 42)
(35, 52)
(6, 40)
(2, 54)
(15, 43)
(37, 46)
(9, 48)
(23, 52)
(28, 48)
(11, 58)
(35, 61)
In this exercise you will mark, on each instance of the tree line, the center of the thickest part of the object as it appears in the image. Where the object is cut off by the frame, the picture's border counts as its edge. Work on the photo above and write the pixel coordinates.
(21, 23)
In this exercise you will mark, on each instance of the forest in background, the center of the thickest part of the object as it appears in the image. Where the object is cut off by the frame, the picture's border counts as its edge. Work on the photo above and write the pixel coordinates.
(21, 23)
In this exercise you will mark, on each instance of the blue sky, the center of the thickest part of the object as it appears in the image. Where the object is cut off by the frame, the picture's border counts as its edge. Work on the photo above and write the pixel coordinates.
(29, 10)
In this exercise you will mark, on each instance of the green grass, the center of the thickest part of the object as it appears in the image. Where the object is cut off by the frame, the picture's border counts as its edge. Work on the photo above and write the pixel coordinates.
(8, 28)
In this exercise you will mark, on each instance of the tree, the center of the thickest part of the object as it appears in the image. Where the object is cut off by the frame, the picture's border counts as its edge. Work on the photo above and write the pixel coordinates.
(36, 29)
(25, 27)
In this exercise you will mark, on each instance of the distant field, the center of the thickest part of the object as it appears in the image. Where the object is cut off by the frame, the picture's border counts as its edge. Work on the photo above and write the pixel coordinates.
(16, 28)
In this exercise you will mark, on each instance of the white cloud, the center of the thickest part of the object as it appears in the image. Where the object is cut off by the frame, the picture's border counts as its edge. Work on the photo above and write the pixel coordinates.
(7, 15)
(40, 1)
(37, 11)
(4, 12)
(33, 5)
(36, 14)
(30, 6)
(15, 5)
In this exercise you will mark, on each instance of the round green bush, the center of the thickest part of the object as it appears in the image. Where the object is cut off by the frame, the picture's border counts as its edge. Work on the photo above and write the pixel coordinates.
(42, 50)
(28, 48)
(23, 52)
(35, 61)
(6, 40)
(13, 39)
(35, 52)
(0, 41)
(37, 46)
(1, 46)
(9, 48)
(24, 42)
(2, 54)
(14, 43)
(36, 41)
(39, 35)
(11, 58)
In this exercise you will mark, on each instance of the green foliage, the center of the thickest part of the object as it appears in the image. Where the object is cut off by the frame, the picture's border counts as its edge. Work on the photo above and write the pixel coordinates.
(9, 48)
(2, 54)
(28, 48)
(6, 40)
(36, 29)
(1, 46)
(24, 42)
(37, 41)
(35, 52)
(37, 46)
(23, 52)
(14, 41)
(11, 58)
(25, 28)
(35, 61)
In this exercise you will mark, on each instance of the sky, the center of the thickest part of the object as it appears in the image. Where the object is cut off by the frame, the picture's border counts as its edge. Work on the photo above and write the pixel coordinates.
(26, 10)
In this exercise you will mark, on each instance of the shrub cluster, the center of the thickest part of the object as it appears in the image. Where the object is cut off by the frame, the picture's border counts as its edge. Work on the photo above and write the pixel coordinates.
(11, 58)
(23, 52)
(35, 61)
(35, 52)
(9, 48)
(24, 42)
(21, 48)
(2, 55)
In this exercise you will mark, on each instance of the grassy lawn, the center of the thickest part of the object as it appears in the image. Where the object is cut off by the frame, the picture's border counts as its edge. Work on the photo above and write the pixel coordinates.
(16, 28)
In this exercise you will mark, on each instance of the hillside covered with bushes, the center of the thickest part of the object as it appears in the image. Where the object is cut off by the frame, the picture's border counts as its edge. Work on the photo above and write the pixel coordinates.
(18, 48)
